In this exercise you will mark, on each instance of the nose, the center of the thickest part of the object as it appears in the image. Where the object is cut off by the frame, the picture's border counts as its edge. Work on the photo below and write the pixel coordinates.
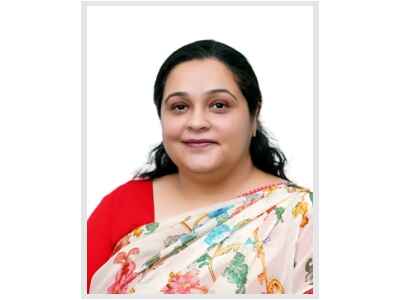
(198, 120)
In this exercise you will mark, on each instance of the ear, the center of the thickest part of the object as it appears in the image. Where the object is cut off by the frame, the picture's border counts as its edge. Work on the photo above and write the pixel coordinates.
(258, 109)
(255, 121)
(254, 126)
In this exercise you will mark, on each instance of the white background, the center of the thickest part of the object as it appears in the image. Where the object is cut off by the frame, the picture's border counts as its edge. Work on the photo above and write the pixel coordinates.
(40, 215)
(125, 53)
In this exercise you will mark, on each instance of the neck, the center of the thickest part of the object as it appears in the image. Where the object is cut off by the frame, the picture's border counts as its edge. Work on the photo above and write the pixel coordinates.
(209, 186)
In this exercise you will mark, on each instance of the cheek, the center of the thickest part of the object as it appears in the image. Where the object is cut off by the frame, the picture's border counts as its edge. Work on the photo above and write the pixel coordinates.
(171, 130)
(235, 132)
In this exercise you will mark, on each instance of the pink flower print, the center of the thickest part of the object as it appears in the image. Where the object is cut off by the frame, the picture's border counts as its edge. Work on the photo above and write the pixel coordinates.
(126, 274)
(122, 243)
(183, 284)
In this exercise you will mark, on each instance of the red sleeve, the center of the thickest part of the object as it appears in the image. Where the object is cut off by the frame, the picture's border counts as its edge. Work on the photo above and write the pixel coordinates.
(125, 208)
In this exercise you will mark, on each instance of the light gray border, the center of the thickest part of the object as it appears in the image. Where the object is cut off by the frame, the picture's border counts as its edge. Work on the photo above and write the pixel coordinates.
(314, 4)
(316, 149)
(199, 3)
(84, 145)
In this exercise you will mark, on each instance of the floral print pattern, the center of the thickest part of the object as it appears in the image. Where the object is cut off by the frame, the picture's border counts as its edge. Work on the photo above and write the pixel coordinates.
(125, 274)
(217, 234)
(301, 209)
(183, 283)
(232, 248)
(237, 272)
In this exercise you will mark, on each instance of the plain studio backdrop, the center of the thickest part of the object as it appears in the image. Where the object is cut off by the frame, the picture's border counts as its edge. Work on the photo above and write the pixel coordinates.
(126, 46)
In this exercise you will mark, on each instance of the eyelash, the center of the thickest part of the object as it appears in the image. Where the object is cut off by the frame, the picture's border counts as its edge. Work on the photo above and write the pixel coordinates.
(173, 108)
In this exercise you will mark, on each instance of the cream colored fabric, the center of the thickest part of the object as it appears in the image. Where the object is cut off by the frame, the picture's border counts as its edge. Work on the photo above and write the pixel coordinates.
(258, 243)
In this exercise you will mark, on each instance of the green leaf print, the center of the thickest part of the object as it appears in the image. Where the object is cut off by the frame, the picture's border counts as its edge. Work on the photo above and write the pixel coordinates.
(203, 260)
(187, 238)
(152, 260)
(150, 228)
(172, 239)
(312, 197)
(279, 212)
(237, 272)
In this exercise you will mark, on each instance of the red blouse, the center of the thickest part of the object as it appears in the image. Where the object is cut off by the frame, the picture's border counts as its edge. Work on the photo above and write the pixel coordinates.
(128, 206)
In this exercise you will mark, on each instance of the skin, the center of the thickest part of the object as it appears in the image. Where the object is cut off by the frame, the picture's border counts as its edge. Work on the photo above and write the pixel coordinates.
(221, 170)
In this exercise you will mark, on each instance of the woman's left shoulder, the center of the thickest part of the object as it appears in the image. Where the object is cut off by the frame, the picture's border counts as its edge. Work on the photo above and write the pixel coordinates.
(300, 192)
(291, 186)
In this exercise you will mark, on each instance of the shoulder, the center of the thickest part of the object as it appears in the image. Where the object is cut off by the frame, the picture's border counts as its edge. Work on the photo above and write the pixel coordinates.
(127, 206)
(298, 200)
(126, 195)
(300, 204)
(133, 187)
(133, 195)
(294, 188)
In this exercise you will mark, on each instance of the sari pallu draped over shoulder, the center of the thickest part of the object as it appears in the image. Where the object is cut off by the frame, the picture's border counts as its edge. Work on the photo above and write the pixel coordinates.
(257, 243)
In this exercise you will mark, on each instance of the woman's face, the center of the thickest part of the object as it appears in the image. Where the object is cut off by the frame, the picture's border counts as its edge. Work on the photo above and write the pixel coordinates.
(202, 101)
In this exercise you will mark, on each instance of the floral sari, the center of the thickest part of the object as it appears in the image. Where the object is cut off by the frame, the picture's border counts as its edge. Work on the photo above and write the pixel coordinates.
(258, 243)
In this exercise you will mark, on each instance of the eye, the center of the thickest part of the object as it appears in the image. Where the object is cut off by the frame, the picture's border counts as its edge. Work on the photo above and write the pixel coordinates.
(178, 107)
(219, 105)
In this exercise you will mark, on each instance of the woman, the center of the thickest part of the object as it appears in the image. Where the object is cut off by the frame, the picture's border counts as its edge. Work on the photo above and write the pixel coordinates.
(216, 215)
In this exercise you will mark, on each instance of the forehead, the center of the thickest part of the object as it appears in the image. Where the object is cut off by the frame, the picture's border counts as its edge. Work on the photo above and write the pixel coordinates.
(196, 76)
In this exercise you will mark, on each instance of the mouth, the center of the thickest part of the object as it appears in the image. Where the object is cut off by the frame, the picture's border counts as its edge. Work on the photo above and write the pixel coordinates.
(203, 143)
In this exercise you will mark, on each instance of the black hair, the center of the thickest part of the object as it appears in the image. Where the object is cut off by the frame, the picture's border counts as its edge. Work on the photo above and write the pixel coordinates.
(263, 154)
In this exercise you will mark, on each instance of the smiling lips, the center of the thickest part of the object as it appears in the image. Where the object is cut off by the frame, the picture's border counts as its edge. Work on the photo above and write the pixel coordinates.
(198, 143)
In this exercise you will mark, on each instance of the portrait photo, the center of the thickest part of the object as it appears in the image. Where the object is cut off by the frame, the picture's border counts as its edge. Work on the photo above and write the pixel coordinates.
(199, 148)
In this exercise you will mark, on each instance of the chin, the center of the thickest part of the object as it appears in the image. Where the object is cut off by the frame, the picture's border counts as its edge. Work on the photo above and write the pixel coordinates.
(201, 169)
(200, 162)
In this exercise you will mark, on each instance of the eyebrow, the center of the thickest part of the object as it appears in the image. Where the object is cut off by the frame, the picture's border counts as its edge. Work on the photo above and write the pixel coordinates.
(213, 91)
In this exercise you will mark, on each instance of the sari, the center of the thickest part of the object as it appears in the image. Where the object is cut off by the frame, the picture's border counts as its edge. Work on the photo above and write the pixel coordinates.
(258, 243)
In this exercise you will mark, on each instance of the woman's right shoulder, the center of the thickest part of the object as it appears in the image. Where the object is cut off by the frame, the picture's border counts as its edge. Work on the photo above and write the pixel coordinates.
(132, 188)
(127, 193)
(133, 194)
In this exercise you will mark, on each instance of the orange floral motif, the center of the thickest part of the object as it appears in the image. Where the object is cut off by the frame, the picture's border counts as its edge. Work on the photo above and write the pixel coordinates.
(275, 287)
(126, 274)
(261, 278)
(301, 208)
(137, 231)
(269, 210)
(304, 221)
